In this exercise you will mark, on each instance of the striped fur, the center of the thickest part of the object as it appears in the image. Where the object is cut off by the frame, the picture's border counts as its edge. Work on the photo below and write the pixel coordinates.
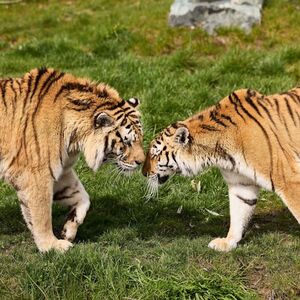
(48, 118)
(253, 139)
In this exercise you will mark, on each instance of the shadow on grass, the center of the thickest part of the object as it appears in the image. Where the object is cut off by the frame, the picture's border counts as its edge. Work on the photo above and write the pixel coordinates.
(154, 218)
(162, 219)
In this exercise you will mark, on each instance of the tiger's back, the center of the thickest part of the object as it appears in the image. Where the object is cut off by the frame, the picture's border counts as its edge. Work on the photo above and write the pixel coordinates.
(268, 135)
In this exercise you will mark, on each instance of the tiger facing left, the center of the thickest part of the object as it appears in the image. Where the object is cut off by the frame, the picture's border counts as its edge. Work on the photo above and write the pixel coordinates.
(252, 138)
(48, 118)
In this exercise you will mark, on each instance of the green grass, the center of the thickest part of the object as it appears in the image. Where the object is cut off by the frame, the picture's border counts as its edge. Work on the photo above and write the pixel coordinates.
(129, 248)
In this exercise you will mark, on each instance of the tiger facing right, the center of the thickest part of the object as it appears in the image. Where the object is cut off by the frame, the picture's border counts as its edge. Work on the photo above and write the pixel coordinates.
(48, 118)
(255, 142)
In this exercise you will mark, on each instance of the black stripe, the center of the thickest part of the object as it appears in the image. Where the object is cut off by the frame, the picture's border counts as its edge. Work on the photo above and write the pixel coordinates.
(72, 215)
(277, 107)
(80, 103)
(224, 154)
(228, 119)
(272, 183)
(267, 112)
(131, 115)
(23, 203)
(63, 197)
(78, 86)
(36, 141)
(294, 93)
(297, 115)
(61, 146)
(120, 104)
(261, 127)
(267, 100)
(113, 143)
(24, 143)
(124, 121)
(20, 86)
(83, 108)
(174, 125)
(167, 156)
(294, 97)
(250, 101)
(119, 136)
(27, 92)
(121, 112)
(49, 164)
(61, 192)
(105, 143)
(101, 105)
(167, 132)
(15, 97)
(215, 119)
(46, 82)
(3, 92)
(250, 202)
(286, 127)
(209, 127)
(51, 172)
(282, 148)
(236, 107)
(119, 117)
(37, 80)
(290, 110)
(51, 82)
(174, 158)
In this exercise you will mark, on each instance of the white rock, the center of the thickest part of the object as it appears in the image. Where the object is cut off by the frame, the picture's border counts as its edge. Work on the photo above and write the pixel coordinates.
(213, 14)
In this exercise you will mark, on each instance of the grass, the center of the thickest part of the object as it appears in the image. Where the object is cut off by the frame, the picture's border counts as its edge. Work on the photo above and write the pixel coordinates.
(129, 248)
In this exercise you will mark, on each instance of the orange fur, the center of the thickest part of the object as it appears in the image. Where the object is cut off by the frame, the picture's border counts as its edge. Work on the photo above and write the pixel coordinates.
(253, 139)
(48, 118)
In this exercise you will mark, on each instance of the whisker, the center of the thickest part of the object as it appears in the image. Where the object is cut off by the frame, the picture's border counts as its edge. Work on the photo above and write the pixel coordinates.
(152, 188)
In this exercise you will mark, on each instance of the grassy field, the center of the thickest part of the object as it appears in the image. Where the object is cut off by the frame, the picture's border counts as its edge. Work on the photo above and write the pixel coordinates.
(129, 248)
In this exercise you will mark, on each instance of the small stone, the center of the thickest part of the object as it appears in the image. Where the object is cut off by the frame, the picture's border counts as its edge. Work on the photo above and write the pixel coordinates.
(213, 14)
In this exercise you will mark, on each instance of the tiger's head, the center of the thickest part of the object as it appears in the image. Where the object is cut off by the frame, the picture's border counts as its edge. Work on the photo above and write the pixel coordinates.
(187, 148)
(169, 153)
(102, 125)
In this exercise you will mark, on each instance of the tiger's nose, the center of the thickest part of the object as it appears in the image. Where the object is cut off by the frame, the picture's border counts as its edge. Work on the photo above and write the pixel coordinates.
(146, 166)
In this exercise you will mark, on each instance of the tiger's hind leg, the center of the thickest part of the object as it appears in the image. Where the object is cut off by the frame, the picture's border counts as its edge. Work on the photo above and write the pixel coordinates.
(70, 191)
(242, 197)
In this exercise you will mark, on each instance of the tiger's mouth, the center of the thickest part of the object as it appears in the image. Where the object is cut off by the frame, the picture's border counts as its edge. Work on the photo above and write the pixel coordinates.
(162, 179)
(125, 167)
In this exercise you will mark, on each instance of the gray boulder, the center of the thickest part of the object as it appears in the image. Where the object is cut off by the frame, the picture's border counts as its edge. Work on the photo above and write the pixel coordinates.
(213, 14)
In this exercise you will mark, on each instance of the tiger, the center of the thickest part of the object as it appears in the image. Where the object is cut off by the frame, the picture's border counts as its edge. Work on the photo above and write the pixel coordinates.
(253, 139)
(48, 118)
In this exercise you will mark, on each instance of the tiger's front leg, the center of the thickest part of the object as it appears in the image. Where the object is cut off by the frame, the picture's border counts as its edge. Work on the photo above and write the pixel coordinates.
(242, 198)
(35, 196)
(70, 191)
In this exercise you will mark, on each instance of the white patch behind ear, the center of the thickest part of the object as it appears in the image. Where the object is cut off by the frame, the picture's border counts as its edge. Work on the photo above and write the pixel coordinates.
(134, 102)
(182, 135)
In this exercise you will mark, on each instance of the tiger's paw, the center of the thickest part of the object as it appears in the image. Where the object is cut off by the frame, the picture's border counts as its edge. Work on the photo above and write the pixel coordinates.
(62, 245)
(56, 245)
(222, 244)
(69, 231)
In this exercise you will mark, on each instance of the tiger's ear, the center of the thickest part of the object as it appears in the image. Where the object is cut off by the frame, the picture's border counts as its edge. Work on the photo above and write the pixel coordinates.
(103, 120)
(134, 102)
(182, 135)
